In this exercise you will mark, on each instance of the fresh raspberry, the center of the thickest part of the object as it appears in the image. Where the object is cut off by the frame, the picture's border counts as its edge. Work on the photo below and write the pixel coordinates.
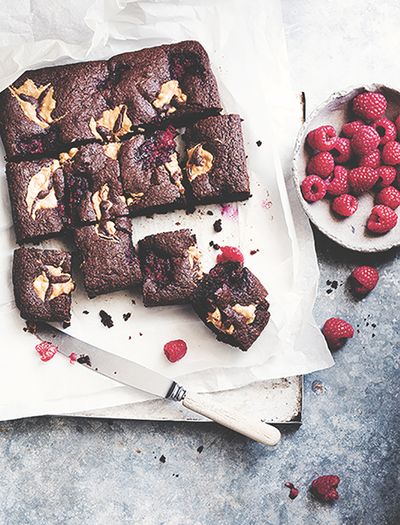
(313, 188)
(386, 129)
(345, 205)
(46, 350)
(293, 491)
(369, 106)
(391, 153)
(362, 179)
(365, 140)
(324, 488)
(389, 196)
(321, 164)
(371, 160)
(73, 358)
(322, 138)
(351, 127)
(386, 175)
(382, 219)
(230, 253)
(364, 279)
(336, 332)
(337, 183)
(175, 350)
(397, 124)
(341, 151)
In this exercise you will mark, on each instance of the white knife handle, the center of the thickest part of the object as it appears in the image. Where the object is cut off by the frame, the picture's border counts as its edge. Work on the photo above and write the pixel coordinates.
(252, 428)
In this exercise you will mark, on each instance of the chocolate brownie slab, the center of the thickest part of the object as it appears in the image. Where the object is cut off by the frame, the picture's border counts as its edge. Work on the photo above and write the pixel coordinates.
(171, 267)
(36, 192)
(150, 173)
(231, 301)
(92, 185)
(216, 160)
(109, 261)
(43, 284)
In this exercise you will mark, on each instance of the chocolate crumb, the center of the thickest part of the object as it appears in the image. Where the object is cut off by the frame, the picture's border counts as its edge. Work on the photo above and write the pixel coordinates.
(209, 212)
(85, 312)
(140, 333)
(216, 246)
(200, 449)
(30, 327)
(106, 319)
(84, 360)
(328, 282)
(253, 252)
(126, 316)
(66, 324)
(258, 143)
(329, 291)
(133, 301)
(217, 226)
(334, 284)
(129, 338)
(177, 224)
(163, 459)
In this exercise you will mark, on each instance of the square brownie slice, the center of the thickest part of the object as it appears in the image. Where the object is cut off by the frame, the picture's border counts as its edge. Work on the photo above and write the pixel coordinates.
(92, 185)
(109, 262)
(150, 173)
(231, 301)
(171, 267)
(43, 284)
(216, 161)
(36, 191)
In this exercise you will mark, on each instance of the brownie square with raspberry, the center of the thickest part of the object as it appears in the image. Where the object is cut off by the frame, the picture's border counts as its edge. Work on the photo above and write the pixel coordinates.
(93, 188)
(42, 284)
(232, 302)
(109, 262)
(150, 173)
(36, 191)
(171, 267)
(216, 161)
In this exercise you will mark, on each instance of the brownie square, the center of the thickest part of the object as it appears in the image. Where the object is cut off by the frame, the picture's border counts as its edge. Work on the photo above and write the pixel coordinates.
(171, 267)
(150, 173)
(109, 261)
(216, 161)
(92, 185)
(43, 284)
(36, 192)
(231, 301)
(169, 82)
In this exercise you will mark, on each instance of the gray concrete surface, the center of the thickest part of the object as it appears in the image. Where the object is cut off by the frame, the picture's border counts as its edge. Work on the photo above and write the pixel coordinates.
(74, 471)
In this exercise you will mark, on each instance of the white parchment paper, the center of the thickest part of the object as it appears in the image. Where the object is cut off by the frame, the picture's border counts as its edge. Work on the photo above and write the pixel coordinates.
(246, 47)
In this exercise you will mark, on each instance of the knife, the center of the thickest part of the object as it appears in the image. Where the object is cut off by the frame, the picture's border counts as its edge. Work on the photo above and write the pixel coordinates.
(137, 376)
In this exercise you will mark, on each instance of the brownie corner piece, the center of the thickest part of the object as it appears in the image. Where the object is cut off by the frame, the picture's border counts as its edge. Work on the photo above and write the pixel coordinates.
(171, 267)
(216, 168)
(36, 191)
(109, 261)
(232, 302)
(43, 284)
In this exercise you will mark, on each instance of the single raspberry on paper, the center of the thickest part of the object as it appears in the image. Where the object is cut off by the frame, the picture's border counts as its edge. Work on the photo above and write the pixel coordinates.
(391, 153)
(337, 183)
(336, 332)
(175, 350)
(344, 205)
(351, 127)
(362, 179)
(389, 196)
(365, 140)
(230, 253)
(313, 188)
(46, 350)
(322, 138)
(324, 488)
(369, 106)
(382, 219)
(341, 151)
(321, 164)
(386, 175)
(364, 279)
(371, 160)
(386, 129)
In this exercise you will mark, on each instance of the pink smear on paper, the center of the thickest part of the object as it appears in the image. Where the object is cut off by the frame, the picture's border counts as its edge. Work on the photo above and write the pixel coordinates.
(266, 204)
(229, 210)
(72, 358)
(46, 350)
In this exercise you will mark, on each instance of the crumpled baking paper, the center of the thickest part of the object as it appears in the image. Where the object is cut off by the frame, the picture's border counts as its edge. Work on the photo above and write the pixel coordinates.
(245, 42)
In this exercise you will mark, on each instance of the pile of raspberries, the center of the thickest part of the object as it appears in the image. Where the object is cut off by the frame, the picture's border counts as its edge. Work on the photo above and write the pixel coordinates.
(364, 157)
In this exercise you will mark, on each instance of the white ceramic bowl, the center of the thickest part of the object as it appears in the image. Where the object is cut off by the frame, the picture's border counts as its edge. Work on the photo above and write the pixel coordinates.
(350, 232)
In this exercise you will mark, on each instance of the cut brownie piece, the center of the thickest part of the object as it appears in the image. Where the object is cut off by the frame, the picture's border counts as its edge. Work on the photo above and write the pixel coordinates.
(43, 284)
(36, 192)
(92, 185)
(109, 261)
(169, 82)
(171, 267)
(150, 173)
(216, 160)
(231, 301)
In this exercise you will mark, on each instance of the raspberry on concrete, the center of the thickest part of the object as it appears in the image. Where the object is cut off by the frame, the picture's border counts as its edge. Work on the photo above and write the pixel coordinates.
(382, 219)
(371, 160)
(324, 488)
(362, 179)
(386, 175)
(313, 188)
(391, 153)
(322, 138)
(369, 106)
(389, 196)
(386, 129)
(321, 164)
(336, 332)
(175, 350)
(364, 279)
(351, 127)
(344, 205)
(341, 151)
(337, 183)
(365, 140)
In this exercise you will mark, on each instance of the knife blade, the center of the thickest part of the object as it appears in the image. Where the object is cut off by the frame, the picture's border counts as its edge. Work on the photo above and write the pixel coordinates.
(137, 376)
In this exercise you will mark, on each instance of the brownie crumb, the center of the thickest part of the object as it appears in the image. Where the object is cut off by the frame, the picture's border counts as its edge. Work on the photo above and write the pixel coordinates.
(328, 282)
(66, 324)
(177, 224)
(133, 301)
(200, 449)
(85, 312)
(30, 327)
(329, 291)
(126, 316)
(253, 252)
(258, 143)
(214, 245)
(209, 212)
(84, 360)
(140, 333)
(106, 319)
(163, 459)
(217, 226)
(334, 285)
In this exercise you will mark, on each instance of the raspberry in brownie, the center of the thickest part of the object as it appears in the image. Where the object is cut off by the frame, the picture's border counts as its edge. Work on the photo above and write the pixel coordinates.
(231, 301)
(109, 261)
(92, 185)
(150, 173)
(216, 161)
(43, 284)
(171, 267)
(36, 192)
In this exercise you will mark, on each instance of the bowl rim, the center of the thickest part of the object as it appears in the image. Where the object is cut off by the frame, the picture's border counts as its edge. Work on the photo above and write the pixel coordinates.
(299, 144)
